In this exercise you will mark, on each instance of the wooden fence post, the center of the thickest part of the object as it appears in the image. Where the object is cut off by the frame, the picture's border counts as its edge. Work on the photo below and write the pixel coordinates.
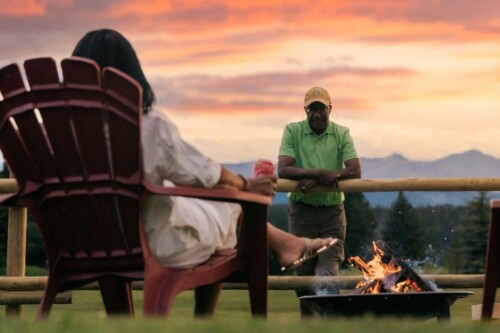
(16, 251)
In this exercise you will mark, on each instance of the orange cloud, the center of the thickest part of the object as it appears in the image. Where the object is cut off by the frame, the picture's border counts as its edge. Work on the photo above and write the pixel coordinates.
(140, 8)
(383, 20)
(23, 7)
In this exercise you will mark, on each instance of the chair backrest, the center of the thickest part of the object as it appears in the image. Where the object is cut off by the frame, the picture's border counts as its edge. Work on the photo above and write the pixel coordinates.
(74, 148)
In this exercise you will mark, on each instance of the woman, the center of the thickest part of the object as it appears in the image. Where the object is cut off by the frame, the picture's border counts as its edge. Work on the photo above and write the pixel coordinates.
(183, 232)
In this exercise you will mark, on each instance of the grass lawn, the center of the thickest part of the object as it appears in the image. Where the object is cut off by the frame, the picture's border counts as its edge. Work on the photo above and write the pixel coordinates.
(86, 314)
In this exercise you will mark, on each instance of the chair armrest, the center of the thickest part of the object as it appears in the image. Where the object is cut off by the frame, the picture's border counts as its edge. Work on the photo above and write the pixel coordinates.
(11, 200)
(227, 195)
(255, 206)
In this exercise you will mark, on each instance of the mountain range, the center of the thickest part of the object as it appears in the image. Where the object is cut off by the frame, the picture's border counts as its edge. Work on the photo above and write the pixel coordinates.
(469, 164)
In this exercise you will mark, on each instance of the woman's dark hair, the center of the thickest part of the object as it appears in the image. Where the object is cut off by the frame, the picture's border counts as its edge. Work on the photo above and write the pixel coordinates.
(109, 48)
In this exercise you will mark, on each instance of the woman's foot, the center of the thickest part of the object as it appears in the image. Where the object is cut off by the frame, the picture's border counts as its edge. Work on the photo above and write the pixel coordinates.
(303, 250)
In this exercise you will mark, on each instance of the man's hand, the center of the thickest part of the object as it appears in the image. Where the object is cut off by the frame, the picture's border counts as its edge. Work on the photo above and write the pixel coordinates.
(305, 185)
(327, 179)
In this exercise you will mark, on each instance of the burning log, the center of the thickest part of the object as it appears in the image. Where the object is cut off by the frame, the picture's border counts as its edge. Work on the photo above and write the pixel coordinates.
(387, 273)
(410, 273)
(362, 289)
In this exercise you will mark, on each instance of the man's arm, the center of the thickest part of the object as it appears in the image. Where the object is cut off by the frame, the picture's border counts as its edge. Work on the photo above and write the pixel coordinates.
(352, 170)
(311, 177)
(288, 170)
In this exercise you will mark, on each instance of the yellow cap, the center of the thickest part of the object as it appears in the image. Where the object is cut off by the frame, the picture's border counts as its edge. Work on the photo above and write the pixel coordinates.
(317, 94)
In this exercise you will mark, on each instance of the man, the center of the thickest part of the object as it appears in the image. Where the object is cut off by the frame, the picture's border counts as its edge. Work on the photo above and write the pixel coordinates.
(318, 152)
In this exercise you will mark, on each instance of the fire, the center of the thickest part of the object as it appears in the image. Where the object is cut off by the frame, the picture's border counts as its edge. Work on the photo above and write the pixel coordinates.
(384, 273)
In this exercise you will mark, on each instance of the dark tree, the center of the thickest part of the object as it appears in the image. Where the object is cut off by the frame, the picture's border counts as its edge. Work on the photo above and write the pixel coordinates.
(402, 231)
(35, 250)
(475, 228)
(441, 229)
(454, 256)
(361, 225)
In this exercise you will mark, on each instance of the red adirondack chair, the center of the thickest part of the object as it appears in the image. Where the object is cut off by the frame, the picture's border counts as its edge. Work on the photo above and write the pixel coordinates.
(492, 271)
(74, 149)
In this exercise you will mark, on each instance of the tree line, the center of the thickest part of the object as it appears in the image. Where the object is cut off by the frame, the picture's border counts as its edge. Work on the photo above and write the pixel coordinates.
(444, 238)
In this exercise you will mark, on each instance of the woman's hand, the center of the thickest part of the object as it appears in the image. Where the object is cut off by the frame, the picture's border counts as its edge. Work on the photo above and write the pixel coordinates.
(262, 184)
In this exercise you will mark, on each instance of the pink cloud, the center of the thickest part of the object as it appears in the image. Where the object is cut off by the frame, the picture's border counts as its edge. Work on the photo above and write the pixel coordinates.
(390, 21)
(265, 92)
(23, 7)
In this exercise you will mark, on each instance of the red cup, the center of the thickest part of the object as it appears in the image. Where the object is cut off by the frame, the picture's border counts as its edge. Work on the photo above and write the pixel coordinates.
(263, 168)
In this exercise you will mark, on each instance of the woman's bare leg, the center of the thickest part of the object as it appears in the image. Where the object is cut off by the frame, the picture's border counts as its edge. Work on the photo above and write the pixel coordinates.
(289, 247)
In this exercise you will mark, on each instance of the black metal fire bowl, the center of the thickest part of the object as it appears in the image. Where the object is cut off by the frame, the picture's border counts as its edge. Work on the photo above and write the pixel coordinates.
(421, 305)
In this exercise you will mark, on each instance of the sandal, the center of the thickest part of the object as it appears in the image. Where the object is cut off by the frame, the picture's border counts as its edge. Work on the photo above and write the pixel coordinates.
(309, 253)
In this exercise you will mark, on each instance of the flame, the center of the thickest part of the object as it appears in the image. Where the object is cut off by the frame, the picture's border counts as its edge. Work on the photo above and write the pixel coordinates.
(380, 276)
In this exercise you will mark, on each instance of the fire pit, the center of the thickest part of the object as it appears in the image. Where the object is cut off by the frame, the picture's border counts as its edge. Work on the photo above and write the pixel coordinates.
(389, 288)
(422, 305)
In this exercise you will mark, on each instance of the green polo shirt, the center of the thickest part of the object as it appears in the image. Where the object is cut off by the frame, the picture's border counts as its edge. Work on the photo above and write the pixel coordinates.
(311, 151)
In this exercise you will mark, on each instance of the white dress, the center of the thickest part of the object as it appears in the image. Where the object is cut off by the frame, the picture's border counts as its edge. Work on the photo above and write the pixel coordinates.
(182, 232)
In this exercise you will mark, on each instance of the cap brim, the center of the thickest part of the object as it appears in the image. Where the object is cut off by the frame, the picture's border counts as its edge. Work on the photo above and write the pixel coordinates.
(321, 100)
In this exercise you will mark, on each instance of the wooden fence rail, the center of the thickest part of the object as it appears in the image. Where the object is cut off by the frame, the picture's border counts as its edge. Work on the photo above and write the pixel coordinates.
(35, 283)
(18, 298)
(370, 185)
(16, 244)
(405, 184)
(8, 185)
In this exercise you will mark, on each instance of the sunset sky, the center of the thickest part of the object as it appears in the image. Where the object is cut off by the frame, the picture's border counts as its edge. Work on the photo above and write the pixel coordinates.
(416, 77)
